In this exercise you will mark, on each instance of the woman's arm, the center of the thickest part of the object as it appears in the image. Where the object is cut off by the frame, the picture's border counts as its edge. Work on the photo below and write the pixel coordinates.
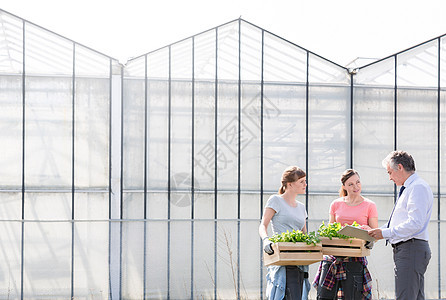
(268, 214)
(373, 222)
(332, 219)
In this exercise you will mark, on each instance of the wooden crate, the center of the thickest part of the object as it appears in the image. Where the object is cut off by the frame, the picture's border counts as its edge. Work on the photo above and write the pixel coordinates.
(291, 254)
(342, 247)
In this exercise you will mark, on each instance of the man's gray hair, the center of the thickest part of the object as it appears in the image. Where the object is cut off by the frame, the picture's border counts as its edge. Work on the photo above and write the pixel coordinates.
(399, 157)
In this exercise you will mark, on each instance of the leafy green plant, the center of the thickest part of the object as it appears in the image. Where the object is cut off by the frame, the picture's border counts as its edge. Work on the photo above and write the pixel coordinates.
(331, 230)
(296, 236)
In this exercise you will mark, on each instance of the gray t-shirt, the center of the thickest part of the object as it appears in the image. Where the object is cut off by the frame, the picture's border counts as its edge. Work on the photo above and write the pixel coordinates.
(286, 217)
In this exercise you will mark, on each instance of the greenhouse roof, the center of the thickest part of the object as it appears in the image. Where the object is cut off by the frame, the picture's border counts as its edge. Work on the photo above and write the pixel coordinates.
(49, 50)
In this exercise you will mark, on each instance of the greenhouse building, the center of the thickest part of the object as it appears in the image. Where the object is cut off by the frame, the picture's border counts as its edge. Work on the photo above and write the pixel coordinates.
(147, 180)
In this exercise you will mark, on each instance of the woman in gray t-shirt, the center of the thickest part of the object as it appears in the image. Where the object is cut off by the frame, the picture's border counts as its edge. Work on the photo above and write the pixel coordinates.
(286, 213)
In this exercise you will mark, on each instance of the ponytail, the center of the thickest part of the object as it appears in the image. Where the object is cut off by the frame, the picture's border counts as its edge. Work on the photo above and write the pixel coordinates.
(282, 189)
(342, 192)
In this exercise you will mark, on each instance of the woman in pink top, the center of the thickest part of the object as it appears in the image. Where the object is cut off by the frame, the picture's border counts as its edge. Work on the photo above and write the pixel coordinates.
(350, 207)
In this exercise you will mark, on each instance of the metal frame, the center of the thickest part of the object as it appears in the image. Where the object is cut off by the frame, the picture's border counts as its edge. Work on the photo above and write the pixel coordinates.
(192, 188)
(216, 191)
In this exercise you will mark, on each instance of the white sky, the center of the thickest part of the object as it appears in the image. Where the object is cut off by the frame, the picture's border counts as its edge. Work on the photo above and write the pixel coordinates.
(339, 30)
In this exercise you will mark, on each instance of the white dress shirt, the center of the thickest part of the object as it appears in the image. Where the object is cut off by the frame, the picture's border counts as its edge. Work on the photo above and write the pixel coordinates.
(412, 212)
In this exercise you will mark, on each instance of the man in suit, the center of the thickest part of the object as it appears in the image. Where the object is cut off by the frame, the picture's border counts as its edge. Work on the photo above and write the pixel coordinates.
(407, 228)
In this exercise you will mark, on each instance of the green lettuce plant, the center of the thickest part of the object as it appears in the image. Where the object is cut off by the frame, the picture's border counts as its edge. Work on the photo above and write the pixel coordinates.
(296, 236)
(331, 230)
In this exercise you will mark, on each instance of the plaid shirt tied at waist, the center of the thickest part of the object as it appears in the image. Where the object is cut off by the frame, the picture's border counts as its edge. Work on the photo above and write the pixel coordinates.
(337, 272)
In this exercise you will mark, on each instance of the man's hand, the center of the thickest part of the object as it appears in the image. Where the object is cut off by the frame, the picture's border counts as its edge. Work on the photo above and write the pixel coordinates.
(376, 233)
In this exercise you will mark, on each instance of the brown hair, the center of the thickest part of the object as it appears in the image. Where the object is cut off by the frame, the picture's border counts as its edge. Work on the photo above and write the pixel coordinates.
(291, 174)
(344, 177)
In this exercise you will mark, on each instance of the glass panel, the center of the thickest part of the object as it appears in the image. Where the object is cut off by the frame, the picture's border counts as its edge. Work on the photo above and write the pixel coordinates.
(204, 259)
(180, 259)
(48, 142)
(318, 209)
(251, 114)
(227, 237)
(227, 206)
(250, 206)
(47, 53)
(227, 136)
(250, 253)
(157, 205)
(250, 72)
(181, 129)
(283, 62)
(250, 52)
(442, 266)
(92, 133)
(133, 133)
(329, 132)
(284, 131)
(442, 139)
(45, 263)
(204, 205)
(378, 74)
(443, 118)
(158, 110)
(11, 131)
(91, 206)
(133, 205)
(442, 208)
(417, 130)
(133, 239)
(11, 206)
(157, 262)
(180, 202)
(10, 258)
(158, 64)
(284, 105)
(227, 52)
(442, 46)
(204, 143)
(204, 55)
(419, 66)
(181, 60)
(204, 106)
(373, 135)
(431, 286)
(47, 206)
(11, 49)
(325, 72)
(91, 260)
(91, 64)
(135, 68)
